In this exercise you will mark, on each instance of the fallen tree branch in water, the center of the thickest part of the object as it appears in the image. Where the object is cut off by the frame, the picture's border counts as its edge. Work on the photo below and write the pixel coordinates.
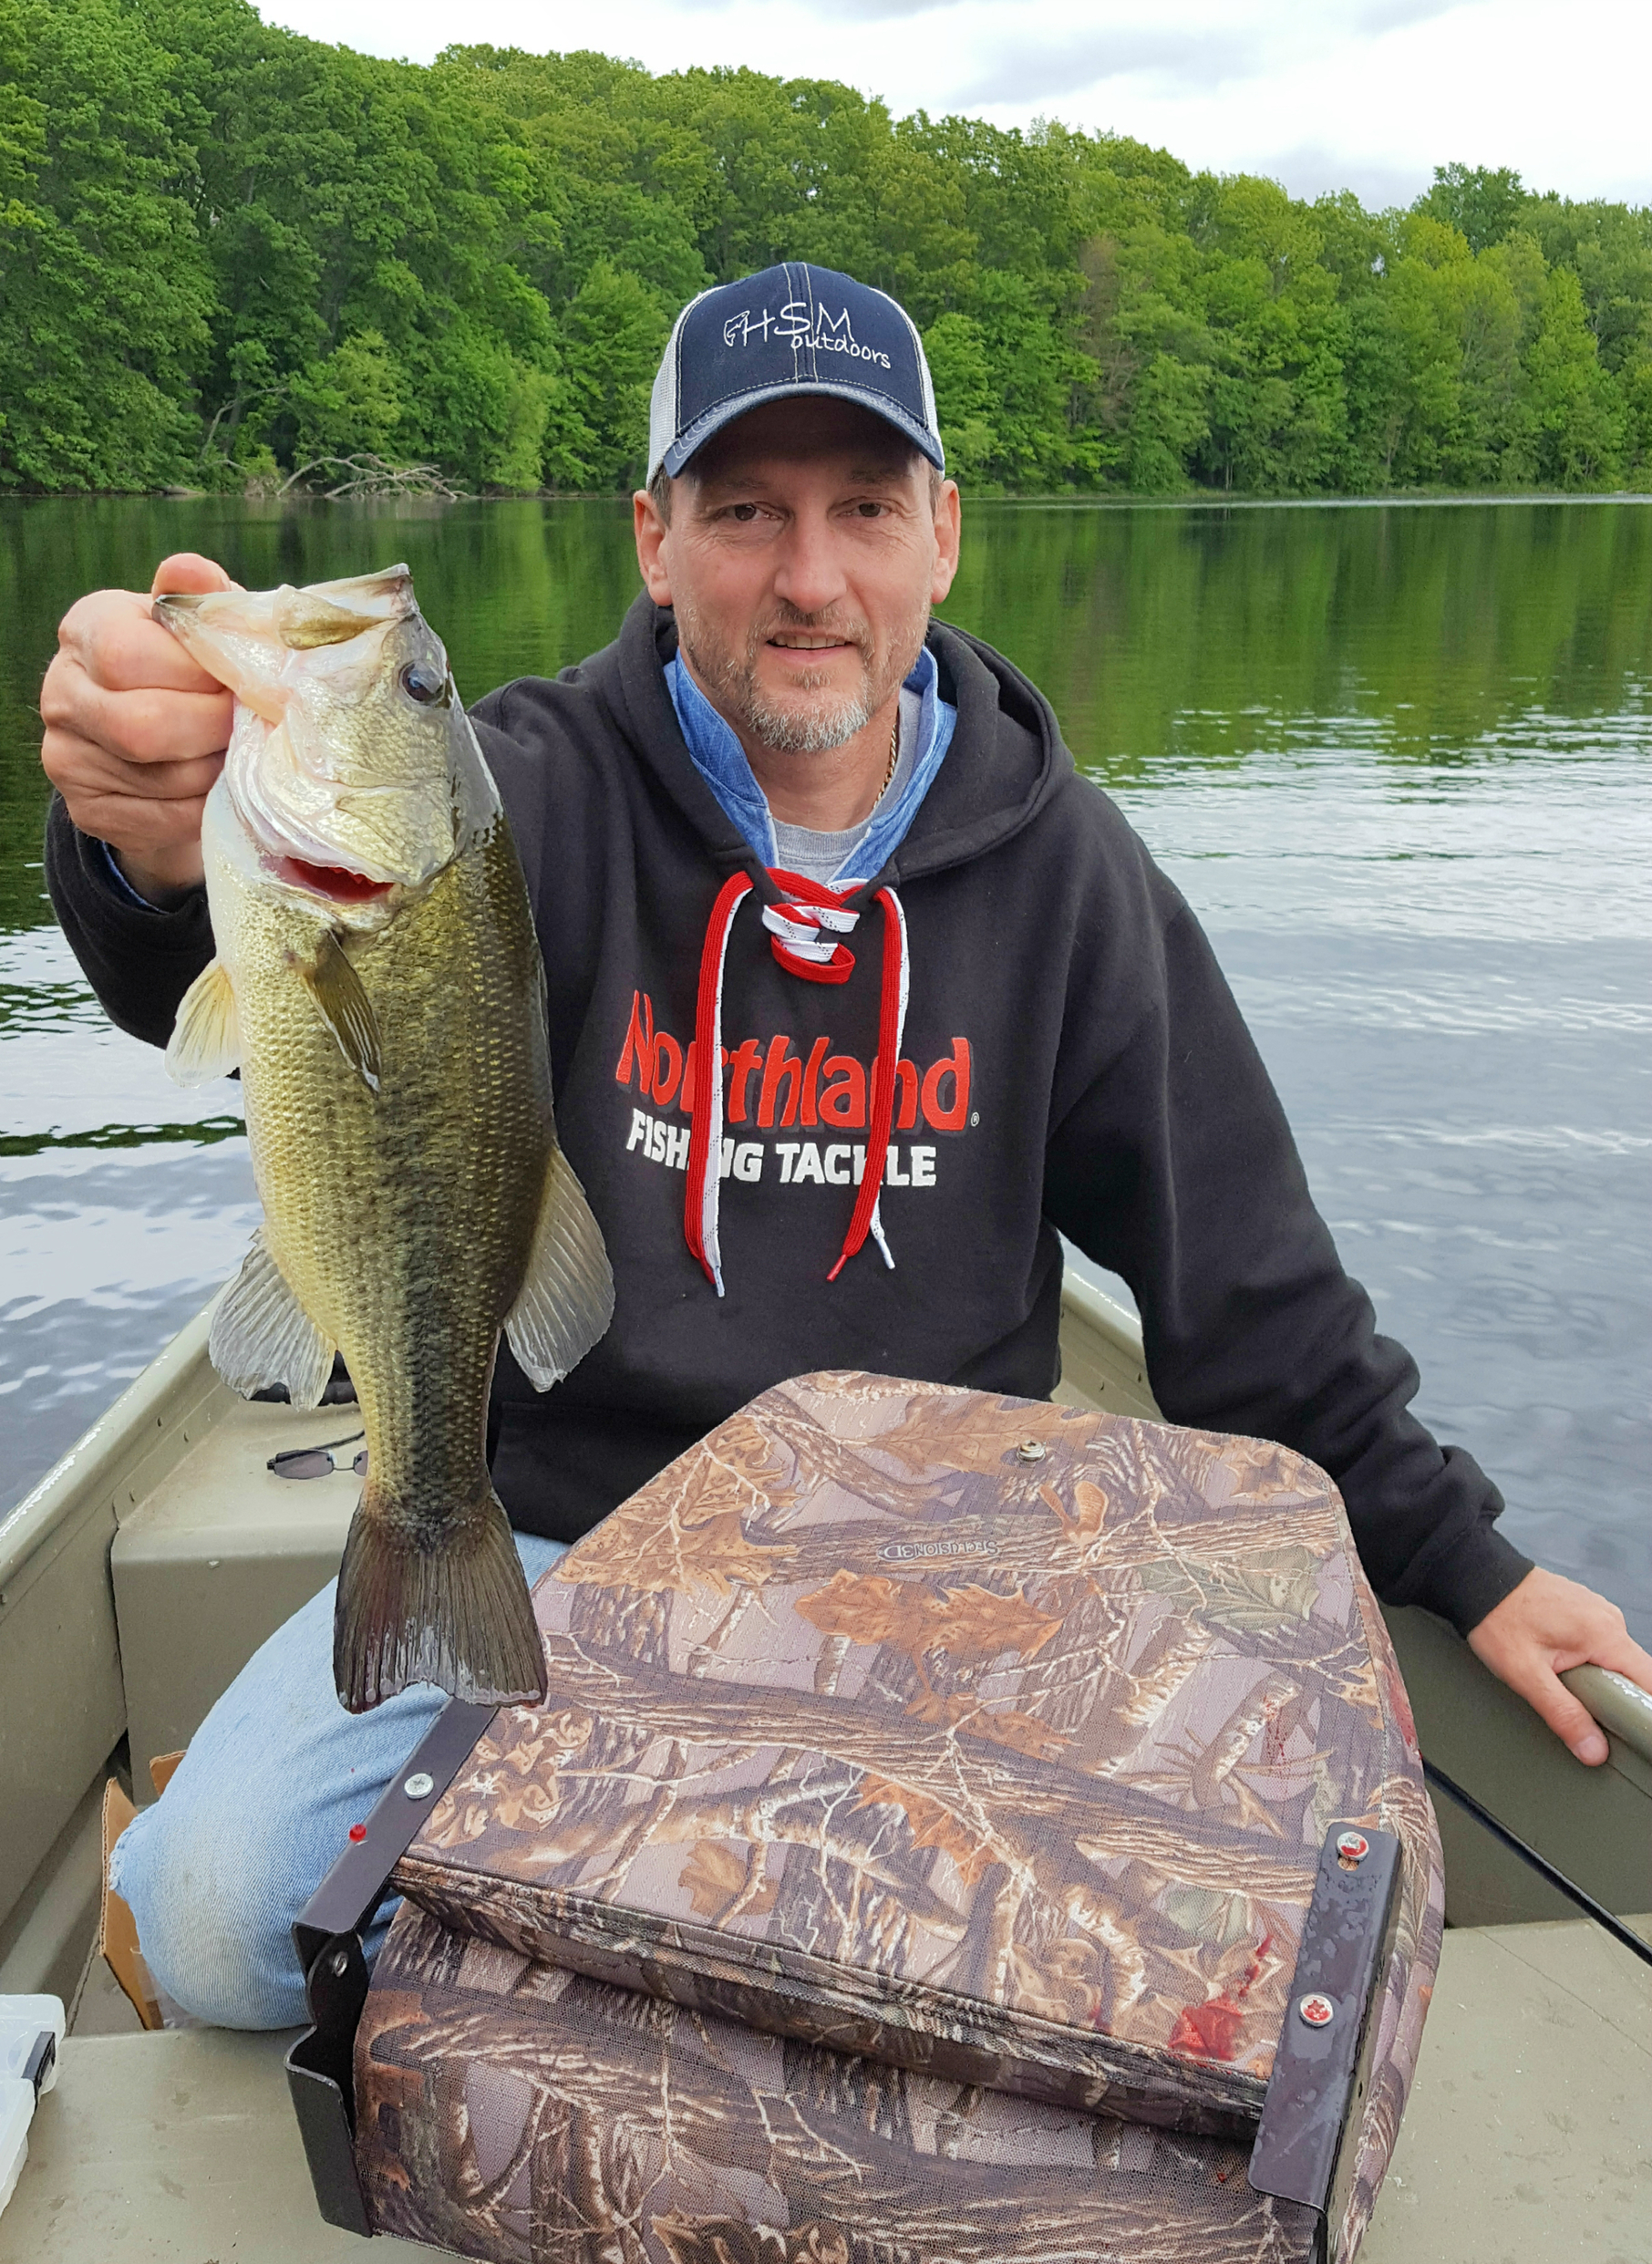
(371, 475)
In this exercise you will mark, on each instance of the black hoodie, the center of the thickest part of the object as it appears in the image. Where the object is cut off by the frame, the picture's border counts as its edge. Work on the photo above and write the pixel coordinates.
(1071, 1059)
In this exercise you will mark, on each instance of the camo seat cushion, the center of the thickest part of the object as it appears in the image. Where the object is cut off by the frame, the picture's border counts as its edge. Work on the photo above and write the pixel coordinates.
(979, 1736)
(520, 2112)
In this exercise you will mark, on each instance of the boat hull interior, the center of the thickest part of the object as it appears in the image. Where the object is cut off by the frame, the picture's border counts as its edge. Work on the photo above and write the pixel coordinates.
(142, 1573)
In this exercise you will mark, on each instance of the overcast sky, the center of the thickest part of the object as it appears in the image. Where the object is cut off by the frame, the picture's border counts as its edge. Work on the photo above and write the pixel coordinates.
(1321, 94)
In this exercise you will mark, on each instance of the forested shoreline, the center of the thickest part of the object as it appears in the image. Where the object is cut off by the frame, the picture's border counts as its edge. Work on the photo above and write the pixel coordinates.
(228, 253)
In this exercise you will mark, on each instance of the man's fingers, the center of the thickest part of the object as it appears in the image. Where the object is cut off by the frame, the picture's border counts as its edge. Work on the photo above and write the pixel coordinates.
(113, 637)
(138, 828)
(80, 768)
(1568, 1717)
(188, 570)
(1624, 1655)
(151, 724)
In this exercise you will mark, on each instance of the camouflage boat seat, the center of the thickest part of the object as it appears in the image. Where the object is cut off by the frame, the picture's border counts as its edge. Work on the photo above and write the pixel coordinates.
(958, 1827)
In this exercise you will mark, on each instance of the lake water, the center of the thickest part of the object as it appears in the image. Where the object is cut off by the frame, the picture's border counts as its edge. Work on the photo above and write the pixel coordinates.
(1399, 759)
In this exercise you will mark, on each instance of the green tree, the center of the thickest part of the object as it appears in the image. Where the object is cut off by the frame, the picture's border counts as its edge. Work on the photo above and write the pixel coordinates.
(612, 335)
(349, 399)
(1577, 410)
(962, 376)
(1483, 206)
(107, 291)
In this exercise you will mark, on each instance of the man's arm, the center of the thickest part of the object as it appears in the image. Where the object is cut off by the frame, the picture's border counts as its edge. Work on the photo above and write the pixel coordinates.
(1176, 1168)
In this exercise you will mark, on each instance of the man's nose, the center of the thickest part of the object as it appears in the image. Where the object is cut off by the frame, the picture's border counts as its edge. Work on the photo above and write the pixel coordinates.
(809, 572)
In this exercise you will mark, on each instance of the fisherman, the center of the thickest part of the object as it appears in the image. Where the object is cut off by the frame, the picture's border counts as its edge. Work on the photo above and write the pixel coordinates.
(786, 824)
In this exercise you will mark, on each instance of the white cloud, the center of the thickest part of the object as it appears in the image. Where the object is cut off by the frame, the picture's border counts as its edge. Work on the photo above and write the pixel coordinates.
(1043, 72)
(1368, 93)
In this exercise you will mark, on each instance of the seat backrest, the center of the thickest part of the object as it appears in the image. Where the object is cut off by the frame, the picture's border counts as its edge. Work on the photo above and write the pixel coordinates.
(979, 1736)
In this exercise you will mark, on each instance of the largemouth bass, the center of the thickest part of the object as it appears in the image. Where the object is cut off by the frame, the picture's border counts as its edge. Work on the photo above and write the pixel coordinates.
(378, 984)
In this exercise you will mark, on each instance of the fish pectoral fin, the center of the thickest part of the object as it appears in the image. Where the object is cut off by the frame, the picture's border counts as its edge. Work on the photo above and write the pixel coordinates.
(206, 1037)
(567, 1297)
(346, 1009)
(261, 1336)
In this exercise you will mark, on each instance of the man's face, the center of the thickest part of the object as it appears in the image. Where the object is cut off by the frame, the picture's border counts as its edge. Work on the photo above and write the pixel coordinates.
(801, 559)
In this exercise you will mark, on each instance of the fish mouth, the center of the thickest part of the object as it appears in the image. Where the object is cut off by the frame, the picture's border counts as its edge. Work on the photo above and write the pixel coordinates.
(337, 881)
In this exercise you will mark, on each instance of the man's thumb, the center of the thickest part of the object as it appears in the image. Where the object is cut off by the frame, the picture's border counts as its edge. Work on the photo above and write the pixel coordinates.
(188, 570)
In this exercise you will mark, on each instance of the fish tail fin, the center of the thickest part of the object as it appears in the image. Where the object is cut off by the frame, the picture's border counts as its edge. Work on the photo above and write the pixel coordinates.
(456, 1614)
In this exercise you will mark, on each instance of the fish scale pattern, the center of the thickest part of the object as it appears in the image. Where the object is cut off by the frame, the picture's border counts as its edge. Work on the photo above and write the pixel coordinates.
(983, 1742)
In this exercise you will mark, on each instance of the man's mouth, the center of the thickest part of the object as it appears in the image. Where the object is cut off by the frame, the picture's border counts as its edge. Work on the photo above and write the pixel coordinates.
(798, 641)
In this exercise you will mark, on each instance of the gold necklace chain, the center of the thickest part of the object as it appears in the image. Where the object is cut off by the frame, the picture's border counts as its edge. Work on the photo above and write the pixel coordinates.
(894, 756)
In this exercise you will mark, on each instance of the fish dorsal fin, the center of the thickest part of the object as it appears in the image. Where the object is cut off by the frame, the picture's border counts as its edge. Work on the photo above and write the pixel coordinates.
(206, 1037)
(346, 1009)
(567, 1297)
(261, 1336)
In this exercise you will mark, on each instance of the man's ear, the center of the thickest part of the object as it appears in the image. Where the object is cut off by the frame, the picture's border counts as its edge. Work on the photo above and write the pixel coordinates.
(652, 534)
(948, 534)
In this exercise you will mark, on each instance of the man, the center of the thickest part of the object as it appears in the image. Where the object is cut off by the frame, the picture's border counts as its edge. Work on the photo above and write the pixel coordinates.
(786, 830)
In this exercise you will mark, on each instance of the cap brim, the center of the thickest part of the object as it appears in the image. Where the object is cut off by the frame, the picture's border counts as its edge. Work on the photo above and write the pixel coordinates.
(688, 444)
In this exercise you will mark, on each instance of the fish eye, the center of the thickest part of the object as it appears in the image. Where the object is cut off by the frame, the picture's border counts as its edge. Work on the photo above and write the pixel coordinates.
(421, 682)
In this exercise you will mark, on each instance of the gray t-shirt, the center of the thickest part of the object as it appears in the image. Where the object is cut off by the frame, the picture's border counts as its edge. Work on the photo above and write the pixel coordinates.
(821, 857)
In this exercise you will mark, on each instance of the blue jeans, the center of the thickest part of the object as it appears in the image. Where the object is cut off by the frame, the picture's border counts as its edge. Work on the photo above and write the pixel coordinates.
(259, 1808)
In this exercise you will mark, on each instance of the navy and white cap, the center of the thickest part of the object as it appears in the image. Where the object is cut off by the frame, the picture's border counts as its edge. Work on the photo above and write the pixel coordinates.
(792, 329)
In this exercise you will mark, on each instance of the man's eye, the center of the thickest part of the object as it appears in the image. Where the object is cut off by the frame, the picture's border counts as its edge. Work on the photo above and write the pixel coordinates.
(870, 511)
(744, 513)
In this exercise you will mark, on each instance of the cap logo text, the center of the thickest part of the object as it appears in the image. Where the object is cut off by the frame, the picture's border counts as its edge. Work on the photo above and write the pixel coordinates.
(797, 328)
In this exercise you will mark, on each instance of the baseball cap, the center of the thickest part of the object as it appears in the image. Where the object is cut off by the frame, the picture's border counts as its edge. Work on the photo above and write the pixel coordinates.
(795, 328)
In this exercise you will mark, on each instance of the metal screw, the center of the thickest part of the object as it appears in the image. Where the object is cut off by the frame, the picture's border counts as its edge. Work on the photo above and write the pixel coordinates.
(1031, 1450)
(1314, 2010)
(420, 1786)
(1353, 1846)
(340, 1964)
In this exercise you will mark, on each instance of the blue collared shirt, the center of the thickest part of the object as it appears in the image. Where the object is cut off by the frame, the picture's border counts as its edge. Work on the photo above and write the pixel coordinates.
(720, 760)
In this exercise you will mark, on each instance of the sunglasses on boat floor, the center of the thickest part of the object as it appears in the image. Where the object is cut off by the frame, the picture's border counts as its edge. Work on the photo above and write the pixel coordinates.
(317, 1462)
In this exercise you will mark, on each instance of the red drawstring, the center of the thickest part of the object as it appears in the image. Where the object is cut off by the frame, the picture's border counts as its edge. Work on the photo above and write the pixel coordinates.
(706, 1139)
(802, 935)
(891, 1010)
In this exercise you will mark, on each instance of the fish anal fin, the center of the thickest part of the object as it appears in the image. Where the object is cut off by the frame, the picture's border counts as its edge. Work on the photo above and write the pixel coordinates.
(346, 1009)
(566, 1299)
(261, 1336)
(206, 1037)
(456, 1613)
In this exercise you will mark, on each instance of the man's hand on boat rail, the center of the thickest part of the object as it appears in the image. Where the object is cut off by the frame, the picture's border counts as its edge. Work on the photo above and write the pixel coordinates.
(134, 732)
(1542, 1629)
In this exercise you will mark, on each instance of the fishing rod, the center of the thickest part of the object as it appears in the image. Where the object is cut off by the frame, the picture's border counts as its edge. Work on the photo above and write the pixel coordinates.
(1539, 1864)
